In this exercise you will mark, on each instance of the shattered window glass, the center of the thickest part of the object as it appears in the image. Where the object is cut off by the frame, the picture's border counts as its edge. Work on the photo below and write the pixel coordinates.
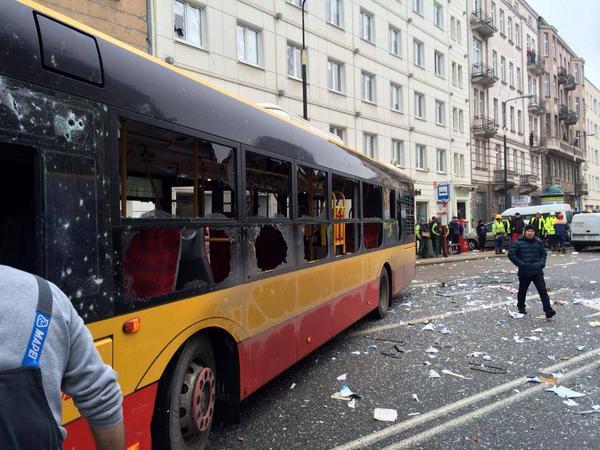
(267, 187)
(373, 234)
(159, 263)
(312, 193)
(372, 206)
(345, 193)
(346, 238)
(390, 225)
(272, 247)
(315, 242)
(174, 175)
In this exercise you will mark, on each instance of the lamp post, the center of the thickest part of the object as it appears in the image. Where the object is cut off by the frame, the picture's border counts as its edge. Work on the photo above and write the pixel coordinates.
(506, 196)
(303, 60)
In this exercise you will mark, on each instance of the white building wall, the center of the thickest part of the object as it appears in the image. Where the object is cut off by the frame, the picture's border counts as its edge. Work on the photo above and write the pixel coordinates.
(279, 21)
(592, 174)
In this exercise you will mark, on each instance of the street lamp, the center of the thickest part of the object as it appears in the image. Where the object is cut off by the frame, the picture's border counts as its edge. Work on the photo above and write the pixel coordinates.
(506, 196)
(303, 59)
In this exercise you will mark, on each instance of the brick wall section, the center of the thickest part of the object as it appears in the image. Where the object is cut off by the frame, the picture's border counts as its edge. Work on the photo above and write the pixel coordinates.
(125, 20)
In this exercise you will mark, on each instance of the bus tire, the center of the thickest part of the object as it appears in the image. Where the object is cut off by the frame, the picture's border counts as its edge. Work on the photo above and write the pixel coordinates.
(186, 406)
(383, 304)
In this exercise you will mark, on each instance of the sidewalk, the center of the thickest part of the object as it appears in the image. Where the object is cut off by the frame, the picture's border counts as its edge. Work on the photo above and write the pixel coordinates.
(460, 257)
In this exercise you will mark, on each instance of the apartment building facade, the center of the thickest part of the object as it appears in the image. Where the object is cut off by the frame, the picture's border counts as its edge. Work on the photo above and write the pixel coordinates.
(563, 128)
(504, 69)
(390, 78)
(592, 165)
(126, 21)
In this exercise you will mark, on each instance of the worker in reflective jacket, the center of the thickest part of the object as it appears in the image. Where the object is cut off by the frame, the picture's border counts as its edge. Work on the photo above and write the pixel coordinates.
(550, 232)
(560, 230)
(499, 231)
(539, 225)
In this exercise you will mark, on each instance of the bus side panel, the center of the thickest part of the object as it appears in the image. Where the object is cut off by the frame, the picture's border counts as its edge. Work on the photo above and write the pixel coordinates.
(347, 309)
(137, 414)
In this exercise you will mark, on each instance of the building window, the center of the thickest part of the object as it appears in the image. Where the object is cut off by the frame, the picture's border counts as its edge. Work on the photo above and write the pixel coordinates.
(546, 85)
(512, 119)
(418, 53)
(418, 6)
(511, 74)
(438, 15)
(335, 76)
(440, 112)
(422, 212)
(439, 63)
(502, 29)
(335, 12)
(510, 29)
(499, 157)
(369, 143)
(294, 58)
(248, 45)
(496, 110)
(455, 119)
(367, 26)
(576, 72)
(519, 80)
(398, 158)
(453, 28)
(494, 18)
(503, 69)
(520, 121)
(368, 87)
(421, 156)
(419, 105)
(518, 35)
(395, 41)
(458, 31)
(495, 62)
(461, 120)
(546, 45)
(188, 23)
(459, 165)
(297, 3)
(441, 160)
(339, 131)
(396, 97)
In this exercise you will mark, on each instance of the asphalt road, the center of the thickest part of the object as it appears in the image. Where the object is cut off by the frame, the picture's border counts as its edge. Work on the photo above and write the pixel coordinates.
(472, 300)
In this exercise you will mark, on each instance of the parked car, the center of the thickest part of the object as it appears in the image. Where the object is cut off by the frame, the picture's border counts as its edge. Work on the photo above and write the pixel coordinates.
(473, 240)
(585, 230)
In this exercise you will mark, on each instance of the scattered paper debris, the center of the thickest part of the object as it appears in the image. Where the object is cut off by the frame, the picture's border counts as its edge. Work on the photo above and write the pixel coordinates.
(565, 392)
(432, 350)
(516, 315)
(352, 403)
(342, 377)
(580, 347)
(372, 347)
(434, 374)
(385, 415)
(413, 414)
(517, 339)
(595, 324)
(293, 386)
(428, 327)
(570, 402)
(415, 398)
(457, 375)
(541, 377)
(445, 331)
(356, 353)
(533, 338)
(486, 358)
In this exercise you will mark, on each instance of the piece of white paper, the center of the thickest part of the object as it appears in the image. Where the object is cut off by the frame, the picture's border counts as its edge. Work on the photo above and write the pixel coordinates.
(352, 403)
(457, 375)
(385, 415)
(432, 350)
(428, 327)
(434, 374)
(516, 315)
(415, 398)
(342, 377)
(570, 402)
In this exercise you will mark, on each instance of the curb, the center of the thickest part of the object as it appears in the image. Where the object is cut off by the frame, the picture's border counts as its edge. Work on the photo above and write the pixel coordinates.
(431, 261)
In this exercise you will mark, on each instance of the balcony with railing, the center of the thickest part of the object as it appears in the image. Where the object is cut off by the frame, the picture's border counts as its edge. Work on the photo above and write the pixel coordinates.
(562, 148)
(528, 183)
(483, 74)
(535, 64)
(553, 181)
(536, 143)
(511, 179)
(536, 105)
(482, 23)
(566, 79)
(568, 116)
(484, 127)
(582, 188)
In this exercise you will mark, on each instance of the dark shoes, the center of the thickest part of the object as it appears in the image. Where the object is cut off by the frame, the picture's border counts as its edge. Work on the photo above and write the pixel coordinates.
(550, 314)
(522, 310)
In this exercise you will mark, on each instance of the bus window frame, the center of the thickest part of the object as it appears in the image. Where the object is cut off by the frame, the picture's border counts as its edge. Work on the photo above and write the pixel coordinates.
(305, 220)
(364, 220)
(116, 116)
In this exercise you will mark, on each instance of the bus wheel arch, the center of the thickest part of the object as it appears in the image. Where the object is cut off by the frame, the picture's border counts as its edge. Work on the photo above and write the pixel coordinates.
(199, 386)
(384, 291)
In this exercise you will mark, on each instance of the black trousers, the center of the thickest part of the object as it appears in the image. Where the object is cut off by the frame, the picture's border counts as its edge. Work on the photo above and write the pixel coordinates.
(540, 285)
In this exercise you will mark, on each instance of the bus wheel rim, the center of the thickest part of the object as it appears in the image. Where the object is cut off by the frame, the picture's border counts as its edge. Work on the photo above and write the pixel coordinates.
(203, 399)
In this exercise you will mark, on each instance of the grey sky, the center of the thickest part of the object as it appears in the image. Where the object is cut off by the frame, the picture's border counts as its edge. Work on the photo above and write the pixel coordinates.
(578, 23)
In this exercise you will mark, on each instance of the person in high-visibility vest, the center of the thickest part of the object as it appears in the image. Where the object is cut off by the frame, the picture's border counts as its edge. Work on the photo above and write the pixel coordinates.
(550, 233)
(560, 228)
(499, 231)
(539, 225)
(435, 236)
(418, 236)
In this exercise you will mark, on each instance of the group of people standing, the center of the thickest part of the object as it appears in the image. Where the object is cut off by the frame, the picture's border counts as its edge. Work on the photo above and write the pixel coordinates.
(433, 236)
(552, 230)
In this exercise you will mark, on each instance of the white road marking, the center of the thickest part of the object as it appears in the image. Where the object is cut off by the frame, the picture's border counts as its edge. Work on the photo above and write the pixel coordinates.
(480, 412)
(447, 409)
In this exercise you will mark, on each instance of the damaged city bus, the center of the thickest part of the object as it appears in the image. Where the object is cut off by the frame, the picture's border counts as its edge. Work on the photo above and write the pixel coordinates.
(208, 244)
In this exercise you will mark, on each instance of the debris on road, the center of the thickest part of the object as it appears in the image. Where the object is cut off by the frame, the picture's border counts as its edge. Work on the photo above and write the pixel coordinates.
(428, 327)
(565, 392)
(346, 394)
(541, 377)
(432, 350)
(293, 386)
(415, 398)
(342, 377)
(393, 352)
(434, 374)
(560, 302)
(595, 410)
(516, 315)
(595, 324)
(385, 415)
(570, 402)
(457, 375)
(494, 370)
(352, 403)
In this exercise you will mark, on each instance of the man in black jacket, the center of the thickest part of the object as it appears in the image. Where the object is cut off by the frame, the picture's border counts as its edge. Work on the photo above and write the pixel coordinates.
(517, 226)
(529, 255)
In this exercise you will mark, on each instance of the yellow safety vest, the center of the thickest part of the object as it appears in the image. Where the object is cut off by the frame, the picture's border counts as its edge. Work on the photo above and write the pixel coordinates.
(549, 225)
(498, 228)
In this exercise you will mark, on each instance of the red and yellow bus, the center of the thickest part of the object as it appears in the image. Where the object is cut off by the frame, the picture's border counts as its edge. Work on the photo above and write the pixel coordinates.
(208, 243)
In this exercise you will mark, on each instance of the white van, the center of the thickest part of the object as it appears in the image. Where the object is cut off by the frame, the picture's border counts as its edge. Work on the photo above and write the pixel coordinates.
(585, 230)
(528, 212)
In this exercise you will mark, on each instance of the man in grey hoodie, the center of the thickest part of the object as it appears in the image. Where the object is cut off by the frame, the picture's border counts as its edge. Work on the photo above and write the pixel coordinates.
(45, 348)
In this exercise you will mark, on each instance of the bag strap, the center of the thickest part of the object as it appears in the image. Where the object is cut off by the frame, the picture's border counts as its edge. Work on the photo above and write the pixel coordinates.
(41, 322)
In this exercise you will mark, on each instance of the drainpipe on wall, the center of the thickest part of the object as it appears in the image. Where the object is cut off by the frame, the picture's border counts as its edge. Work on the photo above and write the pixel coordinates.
(150, 37)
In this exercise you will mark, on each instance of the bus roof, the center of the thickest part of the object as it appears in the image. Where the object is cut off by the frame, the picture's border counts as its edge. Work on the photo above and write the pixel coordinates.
(142, 84)
(543, 209)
